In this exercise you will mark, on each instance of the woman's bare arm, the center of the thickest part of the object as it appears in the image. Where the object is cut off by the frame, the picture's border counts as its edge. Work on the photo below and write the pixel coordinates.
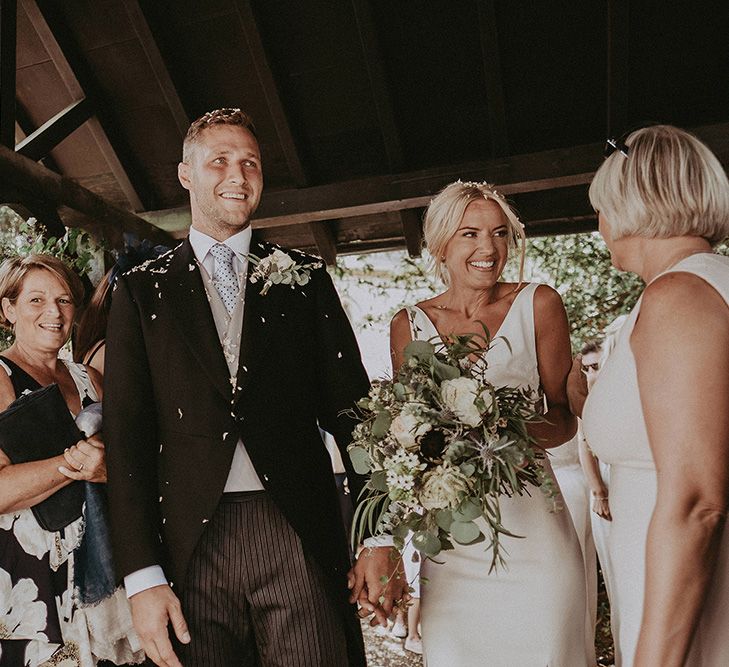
(681, 349)
(554, 359)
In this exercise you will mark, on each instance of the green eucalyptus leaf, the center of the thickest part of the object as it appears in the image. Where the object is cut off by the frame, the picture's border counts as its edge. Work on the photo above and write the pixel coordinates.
(360, 460)
(427, 543)
(468, 469)
(378, 480)
(468, 510)
(465, 532)
(444, 519)
(398, 389)
(445, 371)
(421, 349)
(401, 531)
(381, 424)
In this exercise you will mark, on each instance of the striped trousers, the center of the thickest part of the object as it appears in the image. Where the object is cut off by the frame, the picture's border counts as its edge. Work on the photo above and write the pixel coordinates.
(251, 596)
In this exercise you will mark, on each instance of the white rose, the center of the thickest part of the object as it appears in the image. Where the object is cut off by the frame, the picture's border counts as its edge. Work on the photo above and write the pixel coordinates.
(458, 396)
(282, 260)
(405, 428)
(443, 488)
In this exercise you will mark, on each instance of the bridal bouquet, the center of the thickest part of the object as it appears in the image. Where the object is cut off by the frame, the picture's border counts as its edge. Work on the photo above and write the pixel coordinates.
(441, 445)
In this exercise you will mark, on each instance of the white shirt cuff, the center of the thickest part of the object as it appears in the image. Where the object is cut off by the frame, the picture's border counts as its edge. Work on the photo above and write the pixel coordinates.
(141, 580)
(379, 541)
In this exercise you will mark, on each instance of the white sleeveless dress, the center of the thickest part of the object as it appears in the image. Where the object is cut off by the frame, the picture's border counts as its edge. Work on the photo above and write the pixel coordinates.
(616, 430)
(533, 613)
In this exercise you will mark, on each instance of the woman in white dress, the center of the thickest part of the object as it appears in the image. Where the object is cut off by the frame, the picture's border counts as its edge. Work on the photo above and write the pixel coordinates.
(659, 411)
(533, 612)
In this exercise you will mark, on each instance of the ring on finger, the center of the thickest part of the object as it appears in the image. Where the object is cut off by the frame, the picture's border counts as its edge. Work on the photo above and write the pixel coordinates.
(81, 467)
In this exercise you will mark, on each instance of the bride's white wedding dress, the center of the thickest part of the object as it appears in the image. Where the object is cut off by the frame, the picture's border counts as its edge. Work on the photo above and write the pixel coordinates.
(615, 428)
(534, 612)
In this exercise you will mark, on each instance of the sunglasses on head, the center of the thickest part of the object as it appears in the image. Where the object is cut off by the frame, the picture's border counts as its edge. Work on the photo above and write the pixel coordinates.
(590, 367)
(612, 145)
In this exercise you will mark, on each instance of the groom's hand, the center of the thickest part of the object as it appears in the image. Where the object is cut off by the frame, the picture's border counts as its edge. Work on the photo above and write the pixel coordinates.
(377, 582)
(152, 609)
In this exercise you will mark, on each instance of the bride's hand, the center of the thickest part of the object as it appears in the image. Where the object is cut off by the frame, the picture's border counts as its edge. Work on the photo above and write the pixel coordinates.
(378, 583)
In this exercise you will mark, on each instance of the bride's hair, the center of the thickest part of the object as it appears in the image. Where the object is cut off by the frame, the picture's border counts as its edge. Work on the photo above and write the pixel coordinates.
(445, 213)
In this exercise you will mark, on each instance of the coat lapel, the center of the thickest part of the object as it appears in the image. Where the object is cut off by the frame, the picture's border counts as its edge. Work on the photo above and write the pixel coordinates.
(257, 322)
(195, 324)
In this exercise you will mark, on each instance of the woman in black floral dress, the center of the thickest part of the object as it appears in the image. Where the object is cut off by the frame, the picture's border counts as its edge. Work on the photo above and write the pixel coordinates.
(41, 622)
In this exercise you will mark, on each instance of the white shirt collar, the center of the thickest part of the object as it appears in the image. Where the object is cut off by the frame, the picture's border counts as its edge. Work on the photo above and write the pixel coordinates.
(239, 243)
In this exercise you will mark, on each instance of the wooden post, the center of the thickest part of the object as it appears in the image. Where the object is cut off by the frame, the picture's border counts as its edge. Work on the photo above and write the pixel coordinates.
(8, 42)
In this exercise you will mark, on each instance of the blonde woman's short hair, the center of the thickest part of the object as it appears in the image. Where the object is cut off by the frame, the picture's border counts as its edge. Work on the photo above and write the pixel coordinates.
(445, 213)
(14, 270)
(668, 184)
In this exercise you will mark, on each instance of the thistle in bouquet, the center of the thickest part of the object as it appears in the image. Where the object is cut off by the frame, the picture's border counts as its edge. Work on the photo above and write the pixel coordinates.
(441, 445)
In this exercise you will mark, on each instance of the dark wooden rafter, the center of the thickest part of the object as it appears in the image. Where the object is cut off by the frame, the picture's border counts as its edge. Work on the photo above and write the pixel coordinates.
(157, 64)
(271, 92)
(39, 144)
(24, 128)
(496, 108)
(323, 233)
(412, 228)
(80, 84)
(56, 190)
(8, 46)
(618, 65)
(378, 84)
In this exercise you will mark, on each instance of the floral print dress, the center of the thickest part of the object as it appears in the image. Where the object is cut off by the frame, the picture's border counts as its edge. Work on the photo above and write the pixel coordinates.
(40, 623)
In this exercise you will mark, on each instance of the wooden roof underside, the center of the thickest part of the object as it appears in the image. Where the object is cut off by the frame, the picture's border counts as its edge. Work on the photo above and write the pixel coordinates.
(364, 108)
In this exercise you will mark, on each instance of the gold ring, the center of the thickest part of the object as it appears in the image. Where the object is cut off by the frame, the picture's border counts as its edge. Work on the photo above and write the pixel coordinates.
(81, 467)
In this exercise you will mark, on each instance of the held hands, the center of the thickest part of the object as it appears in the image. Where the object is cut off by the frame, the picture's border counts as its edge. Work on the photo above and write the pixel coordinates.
(378, 583)
(85, 461)
(152, 609)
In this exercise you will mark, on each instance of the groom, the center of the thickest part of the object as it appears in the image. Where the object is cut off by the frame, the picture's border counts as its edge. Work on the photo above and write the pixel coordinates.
(224, 510)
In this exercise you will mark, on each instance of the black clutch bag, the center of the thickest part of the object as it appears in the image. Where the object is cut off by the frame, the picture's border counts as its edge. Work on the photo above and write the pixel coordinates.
(37, 426)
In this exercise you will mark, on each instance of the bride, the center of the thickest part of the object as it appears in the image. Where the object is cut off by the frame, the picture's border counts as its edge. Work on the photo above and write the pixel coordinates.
(534, 611)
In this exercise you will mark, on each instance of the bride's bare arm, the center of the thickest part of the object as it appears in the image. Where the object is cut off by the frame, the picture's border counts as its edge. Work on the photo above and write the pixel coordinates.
(554, 359)
(681, 349)
(399, 338)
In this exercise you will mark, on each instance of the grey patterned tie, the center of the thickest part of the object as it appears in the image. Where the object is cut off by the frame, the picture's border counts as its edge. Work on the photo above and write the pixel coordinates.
(225, 278)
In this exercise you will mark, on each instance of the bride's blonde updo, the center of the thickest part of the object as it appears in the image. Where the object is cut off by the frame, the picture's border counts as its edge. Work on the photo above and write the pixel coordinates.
(445, 213)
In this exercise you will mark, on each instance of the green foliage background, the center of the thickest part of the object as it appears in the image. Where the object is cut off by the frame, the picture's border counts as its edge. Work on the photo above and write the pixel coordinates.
(578, 266)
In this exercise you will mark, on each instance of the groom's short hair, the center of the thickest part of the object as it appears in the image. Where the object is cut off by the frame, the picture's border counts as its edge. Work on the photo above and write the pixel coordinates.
(225, 116)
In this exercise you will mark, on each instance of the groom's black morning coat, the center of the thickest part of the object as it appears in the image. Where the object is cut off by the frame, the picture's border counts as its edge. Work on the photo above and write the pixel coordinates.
(172, 418)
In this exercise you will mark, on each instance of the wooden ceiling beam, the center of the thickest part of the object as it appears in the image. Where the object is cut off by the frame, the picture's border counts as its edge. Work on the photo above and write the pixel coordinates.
(534, 172)
(618, 66)
(411, 220)
(37, 181)
(69, 72)
(39, 144)
(271, 92)
(323, 232)
(157, 64)
(8, 48)
(578, 224)
(378, 83)
(492, 77)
